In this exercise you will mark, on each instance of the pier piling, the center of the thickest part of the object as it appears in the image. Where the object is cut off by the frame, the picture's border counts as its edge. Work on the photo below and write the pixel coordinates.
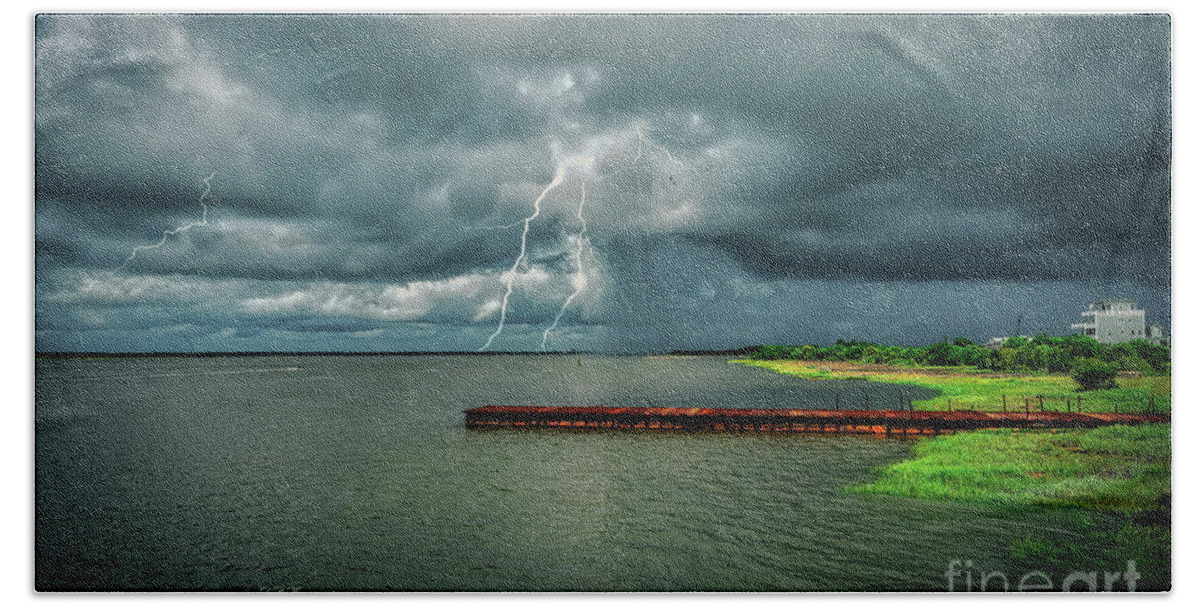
(759, 421)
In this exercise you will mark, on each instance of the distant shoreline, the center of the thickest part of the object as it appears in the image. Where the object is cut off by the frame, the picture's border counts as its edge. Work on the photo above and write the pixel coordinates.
(144, 355)
(104, 355)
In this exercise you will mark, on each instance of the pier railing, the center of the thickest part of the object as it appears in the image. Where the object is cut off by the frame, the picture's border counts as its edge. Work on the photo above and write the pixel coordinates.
(1071, 403)
(900, 423)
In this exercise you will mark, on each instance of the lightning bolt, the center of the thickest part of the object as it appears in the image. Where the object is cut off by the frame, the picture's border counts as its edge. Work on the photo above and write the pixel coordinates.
(512, 273)
(644, 141)
(580, 278)
(178, 229)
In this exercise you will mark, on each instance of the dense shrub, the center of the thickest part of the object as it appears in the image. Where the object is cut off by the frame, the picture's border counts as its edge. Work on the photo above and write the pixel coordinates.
(1079, 345)
(944, 353)
(1133, 364)
(1094, 374)
(1157, 356)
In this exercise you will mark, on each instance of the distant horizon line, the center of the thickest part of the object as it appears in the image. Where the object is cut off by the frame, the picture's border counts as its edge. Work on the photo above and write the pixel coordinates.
(148, 354)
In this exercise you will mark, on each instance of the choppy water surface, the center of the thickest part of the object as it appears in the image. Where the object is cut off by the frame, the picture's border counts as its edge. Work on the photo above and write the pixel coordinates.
(355, 473)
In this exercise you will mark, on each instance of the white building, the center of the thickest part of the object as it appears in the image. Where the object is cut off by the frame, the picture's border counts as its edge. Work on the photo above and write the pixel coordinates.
(1155, 334)
(1110, 321)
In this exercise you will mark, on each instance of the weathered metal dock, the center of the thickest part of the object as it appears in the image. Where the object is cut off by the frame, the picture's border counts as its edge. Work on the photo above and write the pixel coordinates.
(898, 423)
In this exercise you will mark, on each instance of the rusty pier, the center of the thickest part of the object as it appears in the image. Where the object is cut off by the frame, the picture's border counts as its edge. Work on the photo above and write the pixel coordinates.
(897, 423)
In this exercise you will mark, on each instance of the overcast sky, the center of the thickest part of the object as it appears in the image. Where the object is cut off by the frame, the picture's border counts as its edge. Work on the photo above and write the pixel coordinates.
(361, 182)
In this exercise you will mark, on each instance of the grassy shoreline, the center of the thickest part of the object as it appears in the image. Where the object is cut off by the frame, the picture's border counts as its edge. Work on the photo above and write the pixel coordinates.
(1120, 468)
(974, 389)
(1111, 485)
(1117, 468)
(1120, 474)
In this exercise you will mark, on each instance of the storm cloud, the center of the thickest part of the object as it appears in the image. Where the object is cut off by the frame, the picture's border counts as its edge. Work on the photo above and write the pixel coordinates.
(749, 179)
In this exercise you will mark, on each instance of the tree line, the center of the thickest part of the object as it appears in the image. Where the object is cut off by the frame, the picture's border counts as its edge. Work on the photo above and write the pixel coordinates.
(1042, 353)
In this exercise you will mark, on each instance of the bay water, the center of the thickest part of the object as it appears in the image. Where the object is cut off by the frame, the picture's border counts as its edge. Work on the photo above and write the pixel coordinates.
(356, 473)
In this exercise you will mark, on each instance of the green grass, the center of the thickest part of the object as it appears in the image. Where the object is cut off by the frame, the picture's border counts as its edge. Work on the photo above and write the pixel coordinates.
(1100, 546)
(1117, 468)
(970, 388)
(1113, 482)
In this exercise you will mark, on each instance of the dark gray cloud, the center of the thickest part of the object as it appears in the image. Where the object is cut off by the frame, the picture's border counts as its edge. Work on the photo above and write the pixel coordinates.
(370, 175)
